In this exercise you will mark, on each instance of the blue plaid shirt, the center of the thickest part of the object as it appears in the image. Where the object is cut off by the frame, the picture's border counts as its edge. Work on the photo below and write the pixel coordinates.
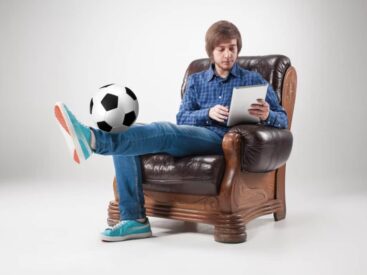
(205, 90)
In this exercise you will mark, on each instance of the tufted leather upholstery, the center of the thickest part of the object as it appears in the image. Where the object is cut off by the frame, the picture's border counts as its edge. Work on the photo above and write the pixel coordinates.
(189, 175)
(263, 148)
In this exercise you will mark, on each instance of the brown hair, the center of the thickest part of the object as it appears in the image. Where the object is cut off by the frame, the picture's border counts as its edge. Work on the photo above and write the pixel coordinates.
(221, 31)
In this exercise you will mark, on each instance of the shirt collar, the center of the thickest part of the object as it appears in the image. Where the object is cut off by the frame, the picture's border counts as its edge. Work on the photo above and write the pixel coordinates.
(210, 73)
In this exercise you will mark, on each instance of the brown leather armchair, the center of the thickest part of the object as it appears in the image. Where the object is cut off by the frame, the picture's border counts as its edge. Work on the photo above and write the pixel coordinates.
(227, 190)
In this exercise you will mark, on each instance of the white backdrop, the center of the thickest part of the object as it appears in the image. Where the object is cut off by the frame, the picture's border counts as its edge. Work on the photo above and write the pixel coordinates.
(64, 50)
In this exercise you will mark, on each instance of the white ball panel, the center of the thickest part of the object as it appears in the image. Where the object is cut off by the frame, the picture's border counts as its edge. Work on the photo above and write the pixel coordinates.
(128, 104)
(98, 112)
(115, 117)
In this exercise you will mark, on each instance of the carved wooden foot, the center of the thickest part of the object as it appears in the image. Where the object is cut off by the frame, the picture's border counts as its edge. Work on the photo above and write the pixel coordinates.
(280, 214)
(230, 233)
(113, 213)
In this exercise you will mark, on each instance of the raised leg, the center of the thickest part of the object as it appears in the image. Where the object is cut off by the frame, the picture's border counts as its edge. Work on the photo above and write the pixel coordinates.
(158, 137)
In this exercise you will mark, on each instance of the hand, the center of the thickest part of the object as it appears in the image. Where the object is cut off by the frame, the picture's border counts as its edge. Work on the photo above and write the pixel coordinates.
(219, 113)
(260, 109)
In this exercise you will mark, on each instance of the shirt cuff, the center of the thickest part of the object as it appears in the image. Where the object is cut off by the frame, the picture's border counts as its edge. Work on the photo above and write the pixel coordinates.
(270, 121)
(202, 117)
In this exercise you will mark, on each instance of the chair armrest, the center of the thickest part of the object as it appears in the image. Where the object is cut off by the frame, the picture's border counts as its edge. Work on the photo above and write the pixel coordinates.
(263, 148)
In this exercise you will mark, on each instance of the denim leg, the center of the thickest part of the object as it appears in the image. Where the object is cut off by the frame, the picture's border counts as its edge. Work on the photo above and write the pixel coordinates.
(129, 185)
(194, 140)
(158, 137)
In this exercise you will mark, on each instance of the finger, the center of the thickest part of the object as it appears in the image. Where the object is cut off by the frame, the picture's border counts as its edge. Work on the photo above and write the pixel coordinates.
(222, 108)
(223, 112)
(265, 107)
(219, 119)
(256, 109)
(261, 101)
(220, 111)
(222, 116)
(265, 104)
(256, 106)
(260, 108)
(255, 112)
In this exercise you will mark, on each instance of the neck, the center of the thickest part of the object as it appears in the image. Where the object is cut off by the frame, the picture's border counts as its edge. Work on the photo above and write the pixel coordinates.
(222, 73)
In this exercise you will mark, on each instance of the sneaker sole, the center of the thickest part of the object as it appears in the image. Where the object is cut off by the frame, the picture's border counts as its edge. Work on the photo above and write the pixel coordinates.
(127, 237)
(68, 130)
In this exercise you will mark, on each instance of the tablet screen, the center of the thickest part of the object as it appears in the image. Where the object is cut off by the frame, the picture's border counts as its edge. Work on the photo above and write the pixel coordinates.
(242, 98)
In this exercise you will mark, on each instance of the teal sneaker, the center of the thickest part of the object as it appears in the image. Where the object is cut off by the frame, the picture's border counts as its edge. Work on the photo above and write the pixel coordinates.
(126, 230)
(77, 135)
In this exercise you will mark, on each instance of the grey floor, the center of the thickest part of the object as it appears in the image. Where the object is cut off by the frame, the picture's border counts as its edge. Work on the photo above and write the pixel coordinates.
(52, 228)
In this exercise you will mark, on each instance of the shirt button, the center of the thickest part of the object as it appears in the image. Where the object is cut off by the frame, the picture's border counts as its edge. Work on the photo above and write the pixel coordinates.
(220, 97)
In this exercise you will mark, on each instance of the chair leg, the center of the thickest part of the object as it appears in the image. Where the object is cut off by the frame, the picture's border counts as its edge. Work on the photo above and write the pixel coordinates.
(230, 233)
(280, 194)
(280, 214)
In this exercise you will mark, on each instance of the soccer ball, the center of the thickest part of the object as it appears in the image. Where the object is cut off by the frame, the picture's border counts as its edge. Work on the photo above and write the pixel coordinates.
(114, 108)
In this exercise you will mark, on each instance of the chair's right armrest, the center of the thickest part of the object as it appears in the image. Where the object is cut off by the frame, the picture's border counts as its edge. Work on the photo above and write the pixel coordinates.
(262, 148)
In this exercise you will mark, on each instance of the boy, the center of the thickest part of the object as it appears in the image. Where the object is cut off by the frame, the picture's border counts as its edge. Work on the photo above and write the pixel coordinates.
(200, 128)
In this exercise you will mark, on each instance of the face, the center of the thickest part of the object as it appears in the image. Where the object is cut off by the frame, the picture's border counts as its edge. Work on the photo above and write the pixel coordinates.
(225, 55)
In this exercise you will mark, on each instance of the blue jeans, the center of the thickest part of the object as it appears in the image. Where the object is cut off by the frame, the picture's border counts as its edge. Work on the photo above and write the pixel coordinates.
(139, 139)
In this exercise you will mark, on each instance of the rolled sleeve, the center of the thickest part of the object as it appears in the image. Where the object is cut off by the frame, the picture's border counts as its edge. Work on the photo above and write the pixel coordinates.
(190, 112)
(277, 115)
(202, 116)
(271, 119)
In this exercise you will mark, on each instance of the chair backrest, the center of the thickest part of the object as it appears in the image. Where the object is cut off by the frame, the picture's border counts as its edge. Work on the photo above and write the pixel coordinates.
(271, 67)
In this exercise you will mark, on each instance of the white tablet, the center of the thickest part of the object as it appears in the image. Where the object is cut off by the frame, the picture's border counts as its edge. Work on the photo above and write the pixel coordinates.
(242, 98)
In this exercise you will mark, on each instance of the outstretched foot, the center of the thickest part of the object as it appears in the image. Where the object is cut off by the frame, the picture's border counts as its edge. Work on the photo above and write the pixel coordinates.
(77, 135)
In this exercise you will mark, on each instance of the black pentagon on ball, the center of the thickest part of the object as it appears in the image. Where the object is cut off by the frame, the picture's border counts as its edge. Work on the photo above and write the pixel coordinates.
(103, 125)
(110, 102)
(91, 106)
(129, 118)
(130, 93)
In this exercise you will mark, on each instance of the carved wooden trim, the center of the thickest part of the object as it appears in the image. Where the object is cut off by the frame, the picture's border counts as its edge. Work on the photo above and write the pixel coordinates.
(115, 191)
(231, 145)
(280, 193)
(190, 202)
(213, 216)
(289, 93)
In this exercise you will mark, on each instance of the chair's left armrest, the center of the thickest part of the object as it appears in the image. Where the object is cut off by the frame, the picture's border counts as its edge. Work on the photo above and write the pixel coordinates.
(262, 148)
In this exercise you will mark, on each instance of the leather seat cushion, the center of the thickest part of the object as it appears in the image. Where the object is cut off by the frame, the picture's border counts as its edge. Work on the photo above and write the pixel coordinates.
(201, 174)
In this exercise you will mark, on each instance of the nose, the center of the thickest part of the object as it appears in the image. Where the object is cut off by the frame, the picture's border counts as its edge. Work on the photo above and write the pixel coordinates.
(227, 53)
